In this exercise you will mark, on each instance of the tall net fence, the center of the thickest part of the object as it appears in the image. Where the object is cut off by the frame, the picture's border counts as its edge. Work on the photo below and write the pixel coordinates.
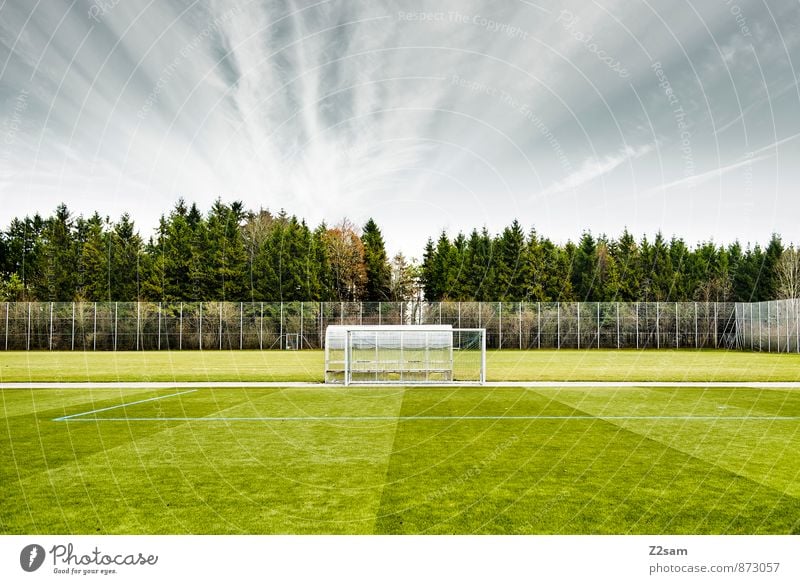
(118, 326)
(772, 326)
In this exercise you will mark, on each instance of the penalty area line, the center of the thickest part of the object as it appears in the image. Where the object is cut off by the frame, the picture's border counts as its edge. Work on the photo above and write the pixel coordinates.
(433, 418)
(141, 401)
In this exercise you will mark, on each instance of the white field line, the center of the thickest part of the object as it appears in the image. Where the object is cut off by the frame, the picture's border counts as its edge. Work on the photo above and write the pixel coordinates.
(435, 418)
(141, 401)
(296, 384)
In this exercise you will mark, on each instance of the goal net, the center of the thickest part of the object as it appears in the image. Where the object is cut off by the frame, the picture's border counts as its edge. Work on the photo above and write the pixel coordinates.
(404, 354)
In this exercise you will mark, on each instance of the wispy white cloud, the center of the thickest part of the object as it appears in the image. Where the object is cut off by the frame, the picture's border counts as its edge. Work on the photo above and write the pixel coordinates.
(594, 168)
(755, 156)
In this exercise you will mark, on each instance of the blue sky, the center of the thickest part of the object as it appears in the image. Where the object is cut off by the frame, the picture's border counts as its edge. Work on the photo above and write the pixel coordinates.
(679, 116)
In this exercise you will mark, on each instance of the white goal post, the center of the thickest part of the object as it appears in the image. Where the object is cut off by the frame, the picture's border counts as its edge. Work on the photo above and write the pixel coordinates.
(404, 354)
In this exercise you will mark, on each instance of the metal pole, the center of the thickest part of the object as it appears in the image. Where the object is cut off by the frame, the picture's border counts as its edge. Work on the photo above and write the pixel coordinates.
(598, 325)
(696, 335)
(677, 328)
(300, 343)
(459, 314)
(94, 335)
(558, 325)
(796, 325)
(73, 327)
(760, 337)
(116, 319)
(788, 338)
(483, 357)
(280, 338)
(180, 328)
(538, 325)
(241, 325)
(220, 326)
(200, 329)
(658, 331)
(28, 335)
(7, 310)
(637, 325)
(500, 323)
(618, 344)
(347, 355)
(520, 325)
(769, 327)
(51, 326)
(138, 322)
(578, 312)
(261, 329)
(159, 326)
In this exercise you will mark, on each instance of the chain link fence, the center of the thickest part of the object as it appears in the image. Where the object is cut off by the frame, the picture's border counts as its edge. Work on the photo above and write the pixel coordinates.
(143, 326)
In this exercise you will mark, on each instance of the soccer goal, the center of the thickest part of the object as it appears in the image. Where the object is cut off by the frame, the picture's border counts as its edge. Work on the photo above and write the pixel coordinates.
(404, 354)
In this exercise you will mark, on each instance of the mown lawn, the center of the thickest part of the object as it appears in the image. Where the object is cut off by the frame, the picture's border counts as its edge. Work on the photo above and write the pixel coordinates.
(400, 460)
(505, 365)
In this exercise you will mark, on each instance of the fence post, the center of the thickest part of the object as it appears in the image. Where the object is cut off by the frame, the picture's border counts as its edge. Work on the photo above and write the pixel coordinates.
(116, 320)
(658, 331)
(7, 310)
(538, 325)
(28, 333)
(796, 324)
(180, 327)
(459, 314)
(280, 337)
(159, 326)
(578, 312)
(241, 325)
(598, 325)
(261, 329)
(138, 322)
(51, 327)
(788, 338)
(637, 325)
(558, 325)
(617, 325)
(759, 328)
(500, 323)
(73, 328)
(677, 328)
(520, 326)
(200, 328)
(94, 335)
(696, 339)
(220, 326)
(300, 344)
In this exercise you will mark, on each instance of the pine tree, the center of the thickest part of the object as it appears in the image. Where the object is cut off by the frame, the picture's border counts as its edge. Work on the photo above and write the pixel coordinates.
(95, 261)
(584, 268)
(376, 264)
(509, 280)
(56, 277)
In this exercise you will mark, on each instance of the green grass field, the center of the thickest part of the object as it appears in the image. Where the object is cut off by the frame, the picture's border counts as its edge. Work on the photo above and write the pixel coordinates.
(506, 365)
(400, 460)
